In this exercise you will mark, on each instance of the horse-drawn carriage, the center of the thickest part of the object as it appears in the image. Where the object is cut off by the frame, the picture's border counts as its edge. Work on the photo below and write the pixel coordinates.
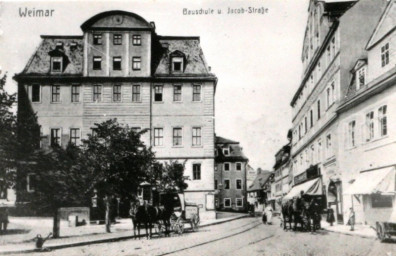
(183, 212)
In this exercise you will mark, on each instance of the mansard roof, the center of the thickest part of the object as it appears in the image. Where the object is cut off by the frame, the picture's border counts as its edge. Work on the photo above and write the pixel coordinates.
(116, 18)
(190, 47)
(40, 62)
(221, 140)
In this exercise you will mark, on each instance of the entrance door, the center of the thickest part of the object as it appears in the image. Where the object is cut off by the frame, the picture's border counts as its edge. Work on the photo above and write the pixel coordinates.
(335, 199)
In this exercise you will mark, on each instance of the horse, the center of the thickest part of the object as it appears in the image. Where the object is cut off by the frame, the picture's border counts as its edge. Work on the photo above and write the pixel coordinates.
(139, 215)
(287, 214)
(298, 213)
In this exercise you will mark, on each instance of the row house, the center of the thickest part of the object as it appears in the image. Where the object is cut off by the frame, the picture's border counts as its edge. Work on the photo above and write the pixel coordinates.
(335, 36)
(280, 186)
(230, 175)
(121, 68)
(366, 118)
(259, 191)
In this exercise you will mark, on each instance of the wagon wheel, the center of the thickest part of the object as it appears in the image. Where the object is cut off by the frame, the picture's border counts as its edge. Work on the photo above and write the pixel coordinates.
(380, 232)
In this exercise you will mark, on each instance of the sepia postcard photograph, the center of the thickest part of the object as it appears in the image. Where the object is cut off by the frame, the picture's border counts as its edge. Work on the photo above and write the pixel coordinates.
(211, 127)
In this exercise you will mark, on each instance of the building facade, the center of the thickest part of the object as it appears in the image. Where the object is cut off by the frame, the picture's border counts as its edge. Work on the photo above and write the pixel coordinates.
(121, 68)
(336, 35)
(230, 175)
(367, 116)
(260, 190)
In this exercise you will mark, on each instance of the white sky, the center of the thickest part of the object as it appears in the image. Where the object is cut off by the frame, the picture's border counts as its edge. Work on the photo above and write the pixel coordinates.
(255, 57)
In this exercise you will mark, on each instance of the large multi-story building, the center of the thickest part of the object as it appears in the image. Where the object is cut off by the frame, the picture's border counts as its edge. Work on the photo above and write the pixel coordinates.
(335, 37)
(367, 120)
(120, 68)
(230, 175)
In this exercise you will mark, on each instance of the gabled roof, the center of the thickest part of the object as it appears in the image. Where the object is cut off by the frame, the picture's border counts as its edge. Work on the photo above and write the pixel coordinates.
(386, 25)
(260, 181)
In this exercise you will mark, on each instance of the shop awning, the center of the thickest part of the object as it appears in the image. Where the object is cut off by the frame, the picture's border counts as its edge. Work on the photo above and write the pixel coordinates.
(371, 182)
(311, 187)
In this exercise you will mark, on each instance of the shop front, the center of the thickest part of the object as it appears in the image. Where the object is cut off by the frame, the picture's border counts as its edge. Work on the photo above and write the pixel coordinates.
(373, 191)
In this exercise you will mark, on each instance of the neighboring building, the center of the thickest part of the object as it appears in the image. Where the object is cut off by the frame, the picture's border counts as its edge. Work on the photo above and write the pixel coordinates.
(120, 68)
(280, 186)
(230, 175)
(260, 189)
(367, 121)
(251, 174)
(335, 37)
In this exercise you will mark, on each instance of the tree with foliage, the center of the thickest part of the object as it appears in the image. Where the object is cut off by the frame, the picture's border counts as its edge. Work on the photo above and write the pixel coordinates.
(8, 137)
(62, 180)
(168, 176)
(119, 160)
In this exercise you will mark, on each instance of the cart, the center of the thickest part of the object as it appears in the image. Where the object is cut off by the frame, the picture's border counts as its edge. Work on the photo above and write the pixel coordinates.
(184, 212)
(385, 230)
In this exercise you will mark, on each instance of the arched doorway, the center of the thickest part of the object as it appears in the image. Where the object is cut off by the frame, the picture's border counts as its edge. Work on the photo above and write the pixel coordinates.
(334, 199)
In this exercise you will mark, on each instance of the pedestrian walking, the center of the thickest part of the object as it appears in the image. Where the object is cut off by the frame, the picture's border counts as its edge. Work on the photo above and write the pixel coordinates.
(268, 212)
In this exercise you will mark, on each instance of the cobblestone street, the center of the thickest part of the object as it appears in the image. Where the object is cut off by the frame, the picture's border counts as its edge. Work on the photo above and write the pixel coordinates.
(246, 236)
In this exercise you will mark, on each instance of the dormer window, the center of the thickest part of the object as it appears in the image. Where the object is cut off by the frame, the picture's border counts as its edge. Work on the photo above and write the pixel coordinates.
(360, 77)
(59, 45)
(226, 151)
(177, 64)
(56, 64)
(73, 46)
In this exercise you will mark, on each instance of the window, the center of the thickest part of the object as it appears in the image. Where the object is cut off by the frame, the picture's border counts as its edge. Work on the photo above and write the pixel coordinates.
(136, 39)
(97, 63)
(238, 184)
(328, 55)
(360, 78)
(328, 145)
(299, 131)
(158, 136)
(311, 118)
(136, 63)
(116, 93)
(55, 96)
(239, 202)
(56, 64)
(75, 93)
(97, 93)
(306, 124)
(382, 121)
(226, 151)
(177, 136)
(328, 97)
(318, 104)
(74, 136)
(351, 133)
(97, 39)
(55, 137)
(158, 93)
(381, 201)
(226, 184)
(370, 126)
(117, 39)
(177, 93)
(319, 150)
(215, 184)
(226, 166)
(385, 55)
(116, 63)
(333, 47)
(332, 94)
(227, 202)
(196, 93)
(135, 93)
(238, 166)
(177, 64)
(196, 136)
(196, 171)
(36, 93)
(30, 182)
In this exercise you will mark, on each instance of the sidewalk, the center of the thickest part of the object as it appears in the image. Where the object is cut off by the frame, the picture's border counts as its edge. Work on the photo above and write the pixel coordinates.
(83, 235)
(360, 230)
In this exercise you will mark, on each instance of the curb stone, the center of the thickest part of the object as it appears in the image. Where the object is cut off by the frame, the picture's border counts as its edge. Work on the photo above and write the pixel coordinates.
(102, 240)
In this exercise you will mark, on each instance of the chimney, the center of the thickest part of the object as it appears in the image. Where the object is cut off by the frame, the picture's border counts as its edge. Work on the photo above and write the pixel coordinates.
(210, 68)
